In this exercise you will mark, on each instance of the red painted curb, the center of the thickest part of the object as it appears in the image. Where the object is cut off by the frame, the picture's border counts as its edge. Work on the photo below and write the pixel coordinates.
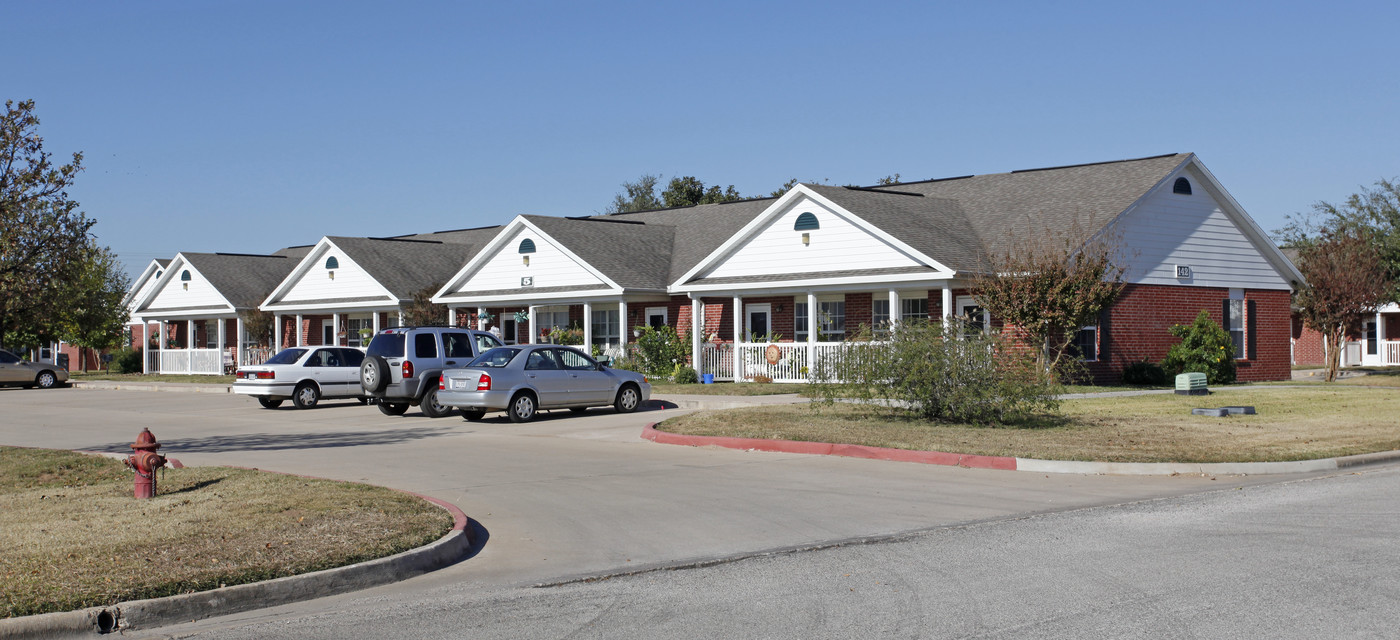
(1003, 463)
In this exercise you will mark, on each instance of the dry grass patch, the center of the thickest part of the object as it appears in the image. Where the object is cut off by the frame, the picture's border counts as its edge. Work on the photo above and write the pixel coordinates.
(74, 537)
(1293, 424)
(151, 377)
(725, 389)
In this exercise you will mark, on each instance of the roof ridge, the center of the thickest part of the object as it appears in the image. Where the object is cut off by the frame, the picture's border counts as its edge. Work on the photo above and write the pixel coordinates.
(593, 219)
(877, 190)
(1091, 164)
(244, 255)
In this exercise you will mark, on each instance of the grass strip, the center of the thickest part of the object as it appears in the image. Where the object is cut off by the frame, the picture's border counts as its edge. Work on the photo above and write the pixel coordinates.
(1292, 424)
(74, 536)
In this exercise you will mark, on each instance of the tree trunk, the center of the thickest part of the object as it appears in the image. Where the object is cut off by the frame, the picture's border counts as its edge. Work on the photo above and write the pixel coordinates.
(1336, 340)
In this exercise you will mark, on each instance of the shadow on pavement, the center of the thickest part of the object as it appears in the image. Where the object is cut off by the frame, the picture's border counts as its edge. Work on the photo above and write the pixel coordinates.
(282, 441)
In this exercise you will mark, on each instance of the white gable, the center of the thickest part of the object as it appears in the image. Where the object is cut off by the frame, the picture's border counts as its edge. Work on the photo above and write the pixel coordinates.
(550, 266)
(1167, 230)
(177, 294)
(149, 279)
(839, 244)
(312, 281)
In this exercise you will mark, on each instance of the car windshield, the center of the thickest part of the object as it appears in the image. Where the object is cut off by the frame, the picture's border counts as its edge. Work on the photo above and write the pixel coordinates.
(286, 356)
(386, 345)
(496, 358)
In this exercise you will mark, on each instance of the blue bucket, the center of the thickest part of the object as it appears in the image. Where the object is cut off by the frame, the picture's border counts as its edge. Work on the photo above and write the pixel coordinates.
(707, 378)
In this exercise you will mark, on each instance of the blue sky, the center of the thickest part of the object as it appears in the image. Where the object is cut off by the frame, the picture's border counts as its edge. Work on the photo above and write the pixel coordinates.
(250, 126)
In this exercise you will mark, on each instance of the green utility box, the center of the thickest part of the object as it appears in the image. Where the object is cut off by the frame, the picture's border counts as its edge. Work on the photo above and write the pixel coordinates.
(1191, 384)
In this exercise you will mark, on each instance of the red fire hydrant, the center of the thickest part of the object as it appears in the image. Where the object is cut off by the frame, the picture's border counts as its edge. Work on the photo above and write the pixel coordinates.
(144, 462)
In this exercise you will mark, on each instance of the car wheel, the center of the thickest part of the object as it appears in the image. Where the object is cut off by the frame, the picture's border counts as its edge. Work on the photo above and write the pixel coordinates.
(522, 407)
(578, 409)
(306, 396)
(374, 374)
(627, 399)
(393, 408)
(473, 414)
(269, 403)
(430, 405)
(45, 380)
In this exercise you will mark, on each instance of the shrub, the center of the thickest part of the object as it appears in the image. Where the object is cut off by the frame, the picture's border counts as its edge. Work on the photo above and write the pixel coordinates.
(1205, 347)
(127, 360)
(685, 375)
(628, 362)
(976, 378)
(659, 350)
(1146, 374)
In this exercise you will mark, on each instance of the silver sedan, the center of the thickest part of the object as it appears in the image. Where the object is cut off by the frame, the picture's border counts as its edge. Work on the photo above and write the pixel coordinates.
(18, 371)
(523, 379)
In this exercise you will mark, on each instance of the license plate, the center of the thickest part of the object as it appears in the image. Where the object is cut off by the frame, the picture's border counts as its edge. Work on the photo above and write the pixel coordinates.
(251, 376)
(458, 384)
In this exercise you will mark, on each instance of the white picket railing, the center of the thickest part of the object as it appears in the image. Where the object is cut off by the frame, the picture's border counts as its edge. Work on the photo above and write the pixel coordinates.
(718, 361)
(196, 361)
(255, 355)
(1391, 350)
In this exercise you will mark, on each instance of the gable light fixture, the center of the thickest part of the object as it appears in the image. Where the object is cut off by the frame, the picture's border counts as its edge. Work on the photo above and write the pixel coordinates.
(806, 239)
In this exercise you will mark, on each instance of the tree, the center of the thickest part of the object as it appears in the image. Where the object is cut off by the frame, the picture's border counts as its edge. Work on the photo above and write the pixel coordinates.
(43, 236)
(641, 196)
(259, 324)
(689, 191)
(422, 311)
(888, 180)
(94, 315)
(1346, 280)
(1373, 212)
(1048, 288)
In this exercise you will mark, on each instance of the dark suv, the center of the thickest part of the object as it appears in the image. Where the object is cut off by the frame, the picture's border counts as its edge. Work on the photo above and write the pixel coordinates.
(402, 365)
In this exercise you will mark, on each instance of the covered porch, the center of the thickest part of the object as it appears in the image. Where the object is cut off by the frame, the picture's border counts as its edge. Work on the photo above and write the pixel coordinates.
(334, 326)
(604, 323)
(1379, 343)
(196, 346)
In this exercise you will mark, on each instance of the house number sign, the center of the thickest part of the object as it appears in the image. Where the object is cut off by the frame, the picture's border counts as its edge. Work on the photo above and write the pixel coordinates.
(527, 281)
(1183, 271)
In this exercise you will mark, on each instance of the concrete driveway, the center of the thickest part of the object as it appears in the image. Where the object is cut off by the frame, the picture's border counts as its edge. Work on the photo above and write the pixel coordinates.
(569, 496)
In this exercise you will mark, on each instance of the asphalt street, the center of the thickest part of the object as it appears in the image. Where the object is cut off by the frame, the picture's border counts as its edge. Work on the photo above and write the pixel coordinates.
(583, 496)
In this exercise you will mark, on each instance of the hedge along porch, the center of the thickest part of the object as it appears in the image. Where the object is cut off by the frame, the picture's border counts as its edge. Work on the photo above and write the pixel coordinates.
(345, 289)
(197, 302)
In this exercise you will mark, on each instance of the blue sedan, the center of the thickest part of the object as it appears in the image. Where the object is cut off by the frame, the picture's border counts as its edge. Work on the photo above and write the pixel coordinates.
(524, 379)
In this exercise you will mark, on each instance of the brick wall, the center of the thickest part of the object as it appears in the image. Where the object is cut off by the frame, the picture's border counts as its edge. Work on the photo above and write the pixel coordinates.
(858, 312)
(1141, 318)
(1307, 344)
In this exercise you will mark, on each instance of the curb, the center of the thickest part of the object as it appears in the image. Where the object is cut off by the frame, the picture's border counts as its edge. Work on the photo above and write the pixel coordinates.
(178, 387)
(158, 612)
(1006, 463)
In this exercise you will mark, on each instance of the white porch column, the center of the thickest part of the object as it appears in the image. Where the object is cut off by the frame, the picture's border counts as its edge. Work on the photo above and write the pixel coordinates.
(277, 330)
(480, 319)
(947, 302)
(400, 317)
(222, 343)
(623, 330)
(298, 332)
(335, 329)
(238, 346)
(895, 312)
(452, 316)
(697, 327)
(374, 322)
(588, 328)
(813, 327)
(531, 328)
(189, 346)
(738, 313)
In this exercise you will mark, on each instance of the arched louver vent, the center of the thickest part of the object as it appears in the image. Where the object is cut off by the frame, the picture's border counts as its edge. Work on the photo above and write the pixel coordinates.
(806, 222)
(332, 263)
(527, 246)
(185, 276)
(1182, 186)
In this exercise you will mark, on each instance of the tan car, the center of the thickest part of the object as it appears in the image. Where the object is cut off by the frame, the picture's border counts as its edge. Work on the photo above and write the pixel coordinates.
(17, 371)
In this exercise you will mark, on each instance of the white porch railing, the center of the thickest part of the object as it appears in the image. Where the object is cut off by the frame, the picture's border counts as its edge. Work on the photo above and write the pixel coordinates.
(196, 361)
(1390, 350)
(717, 360)
(255, 355)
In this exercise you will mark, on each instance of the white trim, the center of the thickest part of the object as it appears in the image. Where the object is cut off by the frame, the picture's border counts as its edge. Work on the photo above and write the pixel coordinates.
(778, 208)
(753, 307)
(177, 264)
(852, 283)
(315, 257)
(502, 239)
(648, 312)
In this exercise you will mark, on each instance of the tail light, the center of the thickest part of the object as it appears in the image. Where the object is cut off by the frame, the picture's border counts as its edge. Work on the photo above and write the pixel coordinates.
(484, 384)
(407, 369)
(256, 375)
(442, 384)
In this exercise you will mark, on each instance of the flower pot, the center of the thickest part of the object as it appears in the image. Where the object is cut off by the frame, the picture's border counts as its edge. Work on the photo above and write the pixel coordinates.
(707, 378)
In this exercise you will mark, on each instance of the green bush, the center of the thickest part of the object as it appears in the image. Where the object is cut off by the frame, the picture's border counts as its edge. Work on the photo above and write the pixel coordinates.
(1205, 347)
(978, 378)
(127, 360)
(685, 375)
(659, 350)
(1145, 374)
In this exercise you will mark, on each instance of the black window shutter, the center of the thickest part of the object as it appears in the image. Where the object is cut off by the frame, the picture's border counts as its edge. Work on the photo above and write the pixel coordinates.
(1225, 314)
(1250, 332)
(1103, 335)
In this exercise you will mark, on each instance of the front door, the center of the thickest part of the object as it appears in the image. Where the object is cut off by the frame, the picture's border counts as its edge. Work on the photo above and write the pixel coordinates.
(327, 332)
(758, 325)
(656, 317)
(972, 313)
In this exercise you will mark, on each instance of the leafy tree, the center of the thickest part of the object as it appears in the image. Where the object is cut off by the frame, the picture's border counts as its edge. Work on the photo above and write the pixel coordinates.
(422, 312)
(1205, 347)
(43, 236)
(1347, 279)
(640, 196)
(689, 191)
(259, 324)
(1048, 288)
(888, 180)
(1373, 212)
(94, 315)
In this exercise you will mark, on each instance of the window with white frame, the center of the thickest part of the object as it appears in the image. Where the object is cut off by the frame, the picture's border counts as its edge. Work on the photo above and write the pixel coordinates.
(1236, 327)
(353, 325)
(606, 327)
(550, 318)
(913, 309)
(880, 316)
(831, 320)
